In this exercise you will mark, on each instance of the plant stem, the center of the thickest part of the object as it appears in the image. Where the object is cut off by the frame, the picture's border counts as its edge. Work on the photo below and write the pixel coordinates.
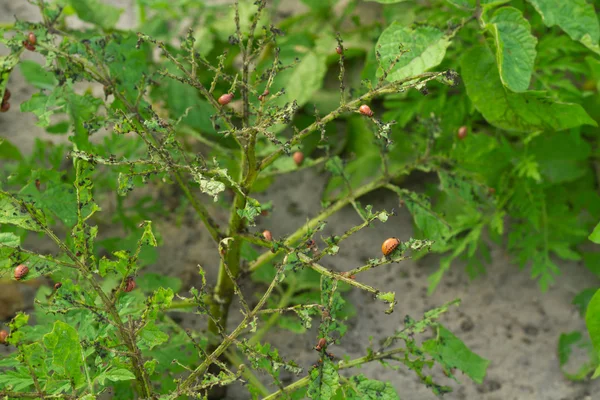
(136, 356)
(227, 341)
(202, 212)
(393, 87)
(283, 302)
(341, 365)
(314, 222)
(248, 374)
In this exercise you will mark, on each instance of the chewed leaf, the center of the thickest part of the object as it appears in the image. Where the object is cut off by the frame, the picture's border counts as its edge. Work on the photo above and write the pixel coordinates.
(251, 210)
(426, 49)
(324, 381)
(210, 186)
(360, 387)
(66, 352)
(390, 298)
(14, 212)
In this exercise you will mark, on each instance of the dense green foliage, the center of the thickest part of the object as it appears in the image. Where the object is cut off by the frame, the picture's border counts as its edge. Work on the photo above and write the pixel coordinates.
(490, 99)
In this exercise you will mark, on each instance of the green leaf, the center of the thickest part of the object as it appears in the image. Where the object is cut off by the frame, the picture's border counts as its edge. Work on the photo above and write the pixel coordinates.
(427, 48)
(65, 351)
(470, 4)
(9, 151)
(388, 297)
(429, 223)
(18, 380)
(180, 98)
(251, 210)
(82, 109)
(582, 299)
(16, 333)
(210, 186)
(362, 388)
(522, 112)
(61, 200)
(564, 346)
(576, 17)
(7, 64)
(557, 165)
(453, 353)
(592, 320)
(387, 1)
(36, 75)
(115, 375)
(44, 106)
(97, 12)
(124, 184)
(9, 239)
(515, 47)
(307, 77)
(595, 235)
(151, 336)
(12, 213)
(324, 381)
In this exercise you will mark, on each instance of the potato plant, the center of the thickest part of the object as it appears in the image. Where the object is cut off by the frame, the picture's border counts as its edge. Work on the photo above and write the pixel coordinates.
(212, 103)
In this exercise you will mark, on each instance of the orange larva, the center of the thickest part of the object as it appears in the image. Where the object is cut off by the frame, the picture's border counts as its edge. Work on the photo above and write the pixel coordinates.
(267, 235)
(21, 272)
(389, 246)
(129, 285)
(298, 158)
(321, 344)
(264, 95)
(462, 132)
(31, 38)
(225, 99)
(3, 336)
(365, 110)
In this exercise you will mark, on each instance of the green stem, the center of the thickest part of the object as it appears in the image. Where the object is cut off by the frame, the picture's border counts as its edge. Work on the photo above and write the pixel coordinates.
(341, 365)
(136, 356)
(224, 345)
(142, 11)
(332, 209)
(248, 374)
(283, 302)
(393, 87)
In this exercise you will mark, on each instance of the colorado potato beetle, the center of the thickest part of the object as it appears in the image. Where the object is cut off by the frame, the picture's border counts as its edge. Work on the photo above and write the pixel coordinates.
(267, 235)
(3, 336)
(321, 344)
(129, 285)
(389, 246)
(225, 99)
(298, 158)
(21, 272)
(365, 110)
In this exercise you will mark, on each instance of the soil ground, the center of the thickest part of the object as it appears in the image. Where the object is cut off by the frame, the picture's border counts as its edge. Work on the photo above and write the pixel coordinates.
(503, 317)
